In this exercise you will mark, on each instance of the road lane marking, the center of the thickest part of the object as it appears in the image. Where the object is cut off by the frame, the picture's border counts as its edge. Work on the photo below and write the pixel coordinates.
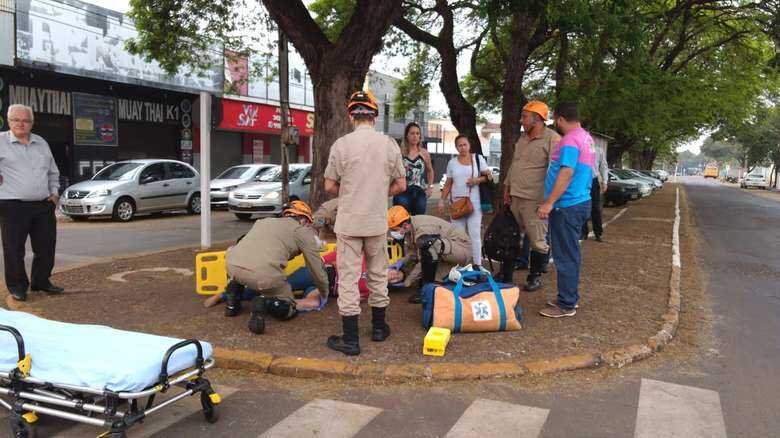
(668, 410)
(613, 219)
(324, 418)
(489, 418)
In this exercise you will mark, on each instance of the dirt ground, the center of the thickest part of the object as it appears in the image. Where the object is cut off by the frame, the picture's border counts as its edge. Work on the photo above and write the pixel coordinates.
(624, 287)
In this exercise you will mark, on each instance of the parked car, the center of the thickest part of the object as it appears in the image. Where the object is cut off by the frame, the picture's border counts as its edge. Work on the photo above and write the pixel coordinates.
(756, 180)
(264, 197)
(657, 183)
(645, 187)
(232, 178)
(127, 188)
(620, 191)
(662, 174)
(651, 174)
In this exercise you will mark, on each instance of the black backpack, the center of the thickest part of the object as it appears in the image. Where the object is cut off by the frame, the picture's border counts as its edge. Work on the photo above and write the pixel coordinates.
(502, 238)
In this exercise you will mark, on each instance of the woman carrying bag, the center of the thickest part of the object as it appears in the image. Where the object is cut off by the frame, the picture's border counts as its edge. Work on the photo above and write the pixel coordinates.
(464, 174)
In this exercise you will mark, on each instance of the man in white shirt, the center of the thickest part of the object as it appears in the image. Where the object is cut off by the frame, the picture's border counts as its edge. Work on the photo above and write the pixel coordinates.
(29, 187)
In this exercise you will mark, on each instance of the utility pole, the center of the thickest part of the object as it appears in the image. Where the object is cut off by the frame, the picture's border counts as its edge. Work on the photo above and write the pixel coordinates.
(284, 109)
(205, 170)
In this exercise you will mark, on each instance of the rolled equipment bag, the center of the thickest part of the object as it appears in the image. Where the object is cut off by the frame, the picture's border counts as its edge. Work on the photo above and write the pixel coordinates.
(485, 307)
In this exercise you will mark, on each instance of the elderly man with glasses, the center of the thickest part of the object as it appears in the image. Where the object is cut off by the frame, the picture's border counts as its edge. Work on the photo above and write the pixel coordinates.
(29, 186)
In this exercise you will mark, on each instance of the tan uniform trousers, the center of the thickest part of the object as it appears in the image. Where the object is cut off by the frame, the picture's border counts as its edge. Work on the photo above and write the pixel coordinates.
(349, 258)
(527, 217)
(261, 283)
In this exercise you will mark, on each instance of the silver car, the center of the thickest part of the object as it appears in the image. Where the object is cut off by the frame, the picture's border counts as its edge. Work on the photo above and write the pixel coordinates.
(645, 187)
(264, 197)
(657, 183)
(231, 179)
(124, 189)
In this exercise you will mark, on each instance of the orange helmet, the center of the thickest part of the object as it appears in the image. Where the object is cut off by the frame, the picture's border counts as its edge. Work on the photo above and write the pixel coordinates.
(537, 107)
(298, 208)
(396, 216)
(362, 102)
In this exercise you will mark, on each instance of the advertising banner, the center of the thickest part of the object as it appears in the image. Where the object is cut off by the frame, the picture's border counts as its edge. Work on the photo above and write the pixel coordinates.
(257, 117)
(94, 120)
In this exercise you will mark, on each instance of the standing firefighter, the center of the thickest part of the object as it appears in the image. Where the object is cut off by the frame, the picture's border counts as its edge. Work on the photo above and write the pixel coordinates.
(364, 168)
(258, 261)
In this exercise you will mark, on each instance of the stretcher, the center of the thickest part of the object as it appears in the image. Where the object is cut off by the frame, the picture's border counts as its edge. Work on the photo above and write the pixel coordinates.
(95, 374)
(211, 276)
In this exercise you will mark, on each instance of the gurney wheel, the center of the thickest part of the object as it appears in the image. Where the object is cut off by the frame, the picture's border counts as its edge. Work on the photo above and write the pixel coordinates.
(210, 410)
(22, 429)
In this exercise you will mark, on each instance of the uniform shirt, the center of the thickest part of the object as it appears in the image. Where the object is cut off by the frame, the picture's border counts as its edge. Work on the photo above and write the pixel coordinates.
(270, 244)
(576, 150)
(421, 225)
(529, 165)
(326, 214)
(364, 163)
(29, 171)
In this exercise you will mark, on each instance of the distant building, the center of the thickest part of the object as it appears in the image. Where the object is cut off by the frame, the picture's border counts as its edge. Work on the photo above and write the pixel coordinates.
(384, 88)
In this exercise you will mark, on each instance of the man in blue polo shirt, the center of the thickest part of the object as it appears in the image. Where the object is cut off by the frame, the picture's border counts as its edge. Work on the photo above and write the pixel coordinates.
(567, 205)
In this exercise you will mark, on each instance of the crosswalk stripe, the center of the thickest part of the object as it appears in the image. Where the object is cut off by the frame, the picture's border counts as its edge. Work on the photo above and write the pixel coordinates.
(669, 410)
(156, 422)
(319, 418)
(490, 418)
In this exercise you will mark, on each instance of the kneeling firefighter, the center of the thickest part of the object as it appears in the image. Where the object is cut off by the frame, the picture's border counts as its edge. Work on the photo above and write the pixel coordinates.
(259, 260)
(433, 247)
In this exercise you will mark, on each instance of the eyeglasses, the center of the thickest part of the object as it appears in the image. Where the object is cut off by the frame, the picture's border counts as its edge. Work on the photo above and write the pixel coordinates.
(26, 121)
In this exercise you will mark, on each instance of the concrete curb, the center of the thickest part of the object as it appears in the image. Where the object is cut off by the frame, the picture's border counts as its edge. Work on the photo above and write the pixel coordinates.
(301, 367)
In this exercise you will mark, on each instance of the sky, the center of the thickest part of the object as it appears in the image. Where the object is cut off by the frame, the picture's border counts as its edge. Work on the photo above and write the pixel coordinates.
(394, 66)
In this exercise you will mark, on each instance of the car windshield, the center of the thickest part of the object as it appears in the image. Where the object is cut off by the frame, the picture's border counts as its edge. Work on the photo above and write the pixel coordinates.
(116, 172)
(623, 174)
(274, 174)
(236, 172)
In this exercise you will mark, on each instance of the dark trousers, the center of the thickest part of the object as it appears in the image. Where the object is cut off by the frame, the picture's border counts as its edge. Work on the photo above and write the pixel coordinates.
(596, 208)
(19, 219)
(565, 228)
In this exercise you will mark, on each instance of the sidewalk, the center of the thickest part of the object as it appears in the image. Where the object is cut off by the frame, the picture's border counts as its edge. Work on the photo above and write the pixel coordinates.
(625, 289)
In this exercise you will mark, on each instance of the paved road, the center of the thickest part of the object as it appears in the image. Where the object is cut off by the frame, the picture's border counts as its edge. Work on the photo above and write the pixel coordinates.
(732, 390)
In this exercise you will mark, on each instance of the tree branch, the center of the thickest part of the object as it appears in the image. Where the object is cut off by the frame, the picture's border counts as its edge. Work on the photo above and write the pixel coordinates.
(296, 22)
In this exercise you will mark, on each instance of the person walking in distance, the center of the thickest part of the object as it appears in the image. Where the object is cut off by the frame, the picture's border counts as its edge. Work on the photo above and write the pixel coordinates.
(364, 168)
(524, 188)
(567, 205)
(29, 187)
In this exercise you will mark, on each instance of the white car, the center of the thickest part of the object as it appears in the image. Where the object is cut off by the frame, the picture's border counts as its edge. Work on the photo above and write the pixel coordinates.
(127, 188)
(232, 178)
(264, 197)
(662, 174)
(756, 180)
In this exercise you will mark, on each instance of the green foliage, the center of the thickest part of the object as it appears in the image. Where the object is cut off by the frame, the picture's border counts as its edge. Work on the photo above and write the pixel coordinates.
(412, 91)
(332, 15)
(722, 151)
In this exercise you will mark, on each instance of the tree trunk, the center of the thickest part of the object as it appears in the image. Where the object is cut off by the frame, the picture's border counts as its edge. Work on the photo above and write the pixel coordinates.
(643, 159)
(615, 151)
(560, 66)
(337, 68)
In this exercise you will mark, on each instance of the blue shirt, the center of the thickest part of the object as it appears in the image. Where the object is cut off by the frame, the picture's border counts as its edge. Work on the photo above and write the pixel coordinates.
(577, 151)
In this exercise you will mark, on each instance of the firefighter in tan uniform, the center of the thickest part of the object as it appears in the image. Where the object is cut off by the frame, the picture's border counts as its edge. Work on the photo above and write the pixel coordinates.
(433, 247)
(524, 188)
(259, 260)
(325, 217)
(364, 168)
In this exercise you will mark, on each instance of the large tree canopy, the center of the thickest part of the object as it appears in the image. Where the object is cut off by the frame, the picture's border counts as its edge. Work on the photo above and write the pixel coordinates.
(337, 53)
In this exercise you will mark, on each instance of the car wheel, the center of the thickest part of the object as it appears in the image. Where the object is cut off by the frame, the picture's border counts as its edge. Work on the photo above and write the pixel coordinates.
(124, 210)
(244, 216)
(193, 207)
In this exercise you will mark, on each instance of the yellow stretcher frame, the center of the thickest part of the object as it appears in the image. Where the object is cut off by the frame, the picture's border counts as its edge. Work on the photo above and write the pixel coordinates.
(211, 275)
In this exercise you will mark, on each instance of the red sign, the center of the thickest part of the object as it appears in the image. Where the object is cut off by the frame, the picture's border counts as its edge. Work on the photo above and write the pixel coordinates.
(258, 117)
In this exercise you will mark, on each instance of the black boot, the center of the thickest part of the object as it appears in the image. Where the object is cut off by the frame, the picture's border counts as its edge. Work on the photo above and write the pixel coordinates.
(234, 290)
(534, 280)
(349, 342)
(379, 328)
(508, 269)
(259, 309)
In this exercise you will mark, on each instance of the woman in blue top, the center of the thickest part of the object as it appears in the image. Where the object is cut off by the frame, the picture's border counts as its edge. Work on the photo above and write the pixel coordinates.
(419, 172)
